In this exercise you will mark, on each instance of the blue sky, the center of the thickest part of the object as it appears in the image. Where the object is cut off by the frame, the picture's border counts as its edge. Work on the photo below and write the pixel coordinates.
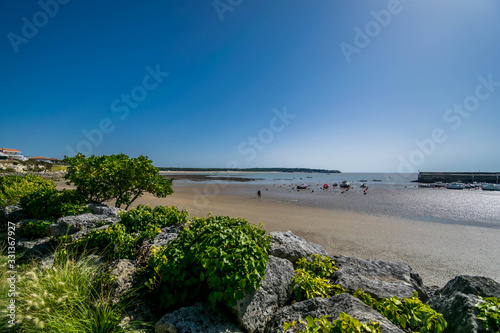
(359, 86)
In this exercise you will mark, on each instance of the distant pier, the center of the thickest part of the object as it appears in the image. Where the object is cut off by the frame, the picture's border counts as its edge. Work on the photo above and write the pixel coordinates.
(466, 177)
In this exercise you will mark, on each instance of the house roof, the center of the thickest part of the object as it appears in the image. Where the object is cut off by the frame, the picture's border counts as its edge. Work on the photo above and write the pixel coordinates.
(11, 150)
(43, 158)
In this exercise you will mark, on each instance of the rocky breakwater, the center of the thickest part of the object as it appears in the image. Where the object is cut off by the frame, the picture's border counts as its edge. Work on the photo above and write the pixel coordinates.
(267, 309)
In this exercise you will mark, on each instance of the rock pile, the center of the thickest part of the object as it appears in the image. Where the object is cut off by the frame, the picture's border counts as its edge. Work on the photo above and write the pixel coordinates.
(266, 310)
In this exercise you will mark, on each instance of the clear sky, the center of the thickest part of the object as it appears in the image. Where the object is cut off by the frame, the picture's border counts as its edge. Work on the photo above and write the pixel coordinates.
(359, 86)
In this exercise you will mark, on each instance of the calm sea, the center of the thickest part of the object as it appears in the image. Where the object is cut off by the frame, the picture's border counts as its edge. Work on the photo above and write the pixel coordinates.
(387, 194)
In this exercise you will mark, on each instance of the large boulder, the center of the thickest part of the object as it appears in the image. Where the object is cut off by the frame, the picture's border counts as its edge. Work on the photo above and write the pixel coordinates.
(472, 285)
(197, 318)
(288, 246)
(257, 307)
(457, 301)
(332, 307)
(70, 224)
(106, 211)
(381, 279)
(459, 311)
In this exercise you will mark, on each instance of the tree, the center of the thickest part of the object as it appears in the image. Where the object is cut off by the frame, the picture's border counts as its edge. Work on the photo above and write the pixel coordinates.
(103, 178)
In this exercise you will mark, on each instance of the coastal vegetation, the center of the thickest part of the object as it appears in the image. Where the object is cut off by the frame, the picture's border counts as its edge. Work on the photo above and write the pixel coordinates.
(218, 260)
(409, 313)
(99, 179)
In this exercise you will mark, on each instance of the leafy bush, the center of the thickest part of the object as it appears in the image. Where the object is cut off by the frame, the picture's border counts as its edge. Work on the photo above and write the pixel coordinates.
(345, 323)
(489, 314)
(71, 296)
(319, 265)
(306, 285)
(225, 256)
(410, 313)
(35, 229)
(144, 217)
(52, 204)
(311, 278)
(114, 242)
(102, 178)
(13, 188)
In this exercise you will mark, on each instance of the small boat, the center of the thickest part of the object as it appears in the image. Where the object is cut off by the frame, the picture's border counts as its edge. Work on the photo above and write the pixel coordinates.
(335, 184)
(455, 186)
(491, 187)
(427, 185)
(302, 187)
(309, 177)
(376, 180)
(363, 185)
(325, 186)
(345, 184)
(363, 180)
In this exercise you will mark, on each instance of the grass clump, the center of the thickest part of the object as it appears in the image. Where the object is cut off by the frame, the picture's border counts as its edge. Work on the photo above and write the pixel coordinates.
(71, 296)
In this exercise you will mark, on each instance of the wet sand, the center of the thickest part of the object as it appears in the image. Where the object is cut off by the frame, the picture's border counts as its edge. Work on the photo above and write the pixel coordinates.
(436, 251)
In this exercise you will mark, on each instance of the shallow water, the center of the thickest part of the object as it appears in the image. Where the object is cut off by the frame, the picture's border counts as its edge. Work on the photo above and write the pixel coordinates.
(394, 195)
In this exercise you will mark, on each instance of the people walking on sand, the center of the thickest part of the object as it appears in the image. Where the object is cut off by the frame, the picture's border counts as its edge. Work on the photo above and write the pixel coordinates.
(258, 194)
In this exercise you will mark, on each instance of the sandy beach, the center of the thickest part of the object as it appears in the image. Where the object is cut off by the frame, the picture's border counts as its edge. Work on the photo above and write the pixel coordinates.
(436, 251)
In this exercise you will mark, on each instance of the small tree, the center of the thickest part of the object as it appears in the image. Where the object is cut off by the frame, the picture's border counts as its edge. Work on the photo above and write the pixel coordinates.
(103, 178)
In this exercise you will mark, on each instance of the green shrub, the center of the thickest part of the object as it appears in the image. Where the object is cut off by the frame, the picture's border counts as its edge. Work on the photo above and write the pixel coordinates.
(113, 242)
(319, 265)
(410, 313)
(311, 278)
(223, 255)
(345, 323)
(35, 229)
(102, 178)
(52, 204)
(489, 314)
(13, 188)
(306, 285)
(144, 217)
(72, 296)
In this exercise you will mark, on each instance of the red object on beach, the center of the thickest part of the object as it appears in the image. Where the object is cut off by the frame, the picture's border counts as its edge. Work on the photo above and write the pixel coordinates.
(326, 186)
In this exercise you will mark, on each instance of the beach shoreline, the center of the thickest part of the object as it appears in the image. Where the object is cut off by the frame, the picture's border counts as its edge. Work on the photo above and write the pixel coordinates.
(436, 251)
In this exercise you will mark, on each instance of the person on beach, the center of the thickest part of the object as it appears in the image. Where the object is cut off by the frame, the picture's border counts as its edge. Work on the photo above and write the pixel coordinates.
(258, 194)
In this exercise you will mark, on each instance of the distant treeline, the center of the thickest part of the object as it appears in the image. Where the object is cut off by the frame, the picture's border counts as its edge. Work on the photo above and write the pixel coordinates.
(251, 170)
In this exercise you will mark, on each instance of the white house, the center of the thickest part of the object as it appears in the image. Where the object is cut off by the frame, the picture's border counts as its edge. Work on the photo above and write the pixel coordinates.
(13, 153)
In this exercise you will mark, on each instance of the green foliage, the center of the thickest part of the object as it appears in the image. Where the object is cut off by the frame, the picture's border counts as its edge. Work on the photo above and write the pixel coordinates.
(144, 217)
(52, 204)
(71, 296)
(410, 313)
(319, 265)
(113, 242)
(103, 178)
(35, 229)
(311, 278)
(13, 188)
(345, 324)
(224, 255)
(489, 314)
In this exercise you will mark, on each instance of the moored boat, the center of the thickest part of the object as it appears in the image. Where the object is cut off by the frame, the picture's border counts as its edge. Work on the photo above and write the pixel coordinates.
(455, 186)
(491, 187)
(345, 184)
